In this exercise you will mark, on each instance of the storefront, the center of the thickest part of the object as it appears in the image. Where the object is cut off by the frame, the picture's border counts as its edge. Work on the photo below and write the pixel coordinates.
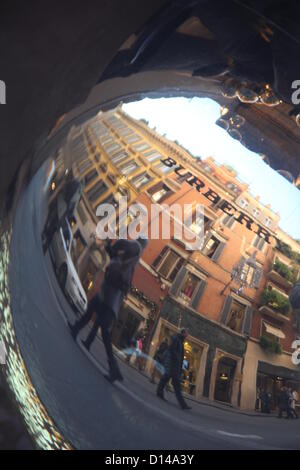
(214, 353)
(266, 372)
(270, 379)
(128, 324)
(225, 379)
(133, 318)
(194, 358)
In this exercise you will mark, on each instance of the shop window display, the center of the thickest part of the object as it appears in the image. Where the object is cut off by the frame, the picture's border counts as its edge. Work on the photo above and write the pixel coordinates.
(188, 287)
(236, 317)
(191, 363)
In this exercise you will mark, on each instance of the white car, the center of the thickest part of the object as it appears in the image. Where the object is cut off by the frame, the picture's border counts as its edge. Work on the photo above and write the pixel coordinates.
(60, 250)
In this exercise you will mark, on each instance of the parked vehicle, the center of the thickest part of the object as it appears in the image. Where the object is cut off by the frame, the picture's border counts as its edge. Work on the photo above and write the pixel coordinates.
(61, 249)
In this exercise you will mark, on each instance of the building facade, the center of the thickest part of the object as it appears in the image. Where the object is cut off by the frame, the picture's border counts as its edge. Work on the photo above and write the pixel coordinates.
(232, 294)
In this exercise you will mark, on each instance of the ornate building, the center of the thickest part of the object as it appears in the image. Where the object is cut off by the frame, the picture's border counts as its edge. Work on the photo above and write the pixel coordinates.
(232, 294)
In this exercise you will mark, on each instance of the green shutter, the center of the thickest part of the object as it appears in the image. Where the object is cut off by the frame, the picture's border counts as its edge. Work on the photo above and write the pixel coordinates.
(226, 309)
(175, 270)
(231, 222)
(256, 241)
(247, 324)
(261, 244)
(159, 257)
(198, 294)
(178, 281)
(218, 252)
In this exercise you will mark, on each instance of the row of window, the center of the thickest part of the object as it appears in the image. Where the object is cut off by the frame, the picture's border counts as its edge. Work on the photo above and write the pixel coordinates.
(244, 203)
(166, 263)
(189, 288)
(169, 261)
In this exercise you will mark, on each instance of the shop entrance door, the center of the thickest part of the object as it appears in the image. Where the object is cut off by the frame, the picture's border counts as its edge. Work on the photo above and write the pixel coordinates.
(126, 327)
(192, 359)
(224, 379)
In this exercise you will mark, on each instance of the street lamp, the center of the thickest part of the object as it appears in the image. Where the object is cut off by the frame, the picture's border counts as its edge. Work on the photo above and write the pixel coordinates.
(245, 273)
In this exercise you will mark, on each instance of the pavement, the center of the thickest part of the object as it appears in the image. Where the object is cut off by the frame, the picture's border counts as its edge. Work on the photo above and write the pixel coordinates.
(86, 409)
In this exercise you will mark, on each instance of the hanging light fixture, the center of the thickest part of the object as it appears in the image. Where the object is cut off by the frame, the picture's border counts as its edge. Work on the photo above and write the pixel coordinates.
(235, 134)
(247, 95)
(287, 175)
(237, 120)
(223, 123)
(245, 273)
(269, 98)
(229, 88)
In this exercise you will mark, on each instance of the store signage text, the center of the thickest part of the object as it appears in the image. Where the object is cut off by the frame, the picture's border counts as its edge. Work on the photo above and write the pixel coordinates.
(212, 196)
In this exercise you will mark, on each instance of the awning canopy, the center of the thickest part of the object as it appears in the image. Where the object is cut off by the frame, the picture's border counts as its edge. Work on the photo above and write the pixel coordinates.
(274, 331)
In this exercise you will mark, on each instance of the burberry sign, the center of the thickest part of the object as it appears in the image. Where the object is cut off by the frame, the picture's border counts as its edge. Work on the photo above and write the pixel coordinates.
(212, 196)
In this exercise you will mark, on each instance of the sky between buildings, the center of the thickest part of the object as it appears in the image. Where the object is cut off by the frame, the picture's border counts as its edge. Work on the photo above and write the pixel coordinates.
(192, 123)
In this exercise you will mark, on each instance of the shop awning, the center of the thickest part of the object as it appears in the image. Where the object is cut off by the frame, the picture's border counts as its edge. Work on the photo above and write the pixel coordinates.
(274, 331)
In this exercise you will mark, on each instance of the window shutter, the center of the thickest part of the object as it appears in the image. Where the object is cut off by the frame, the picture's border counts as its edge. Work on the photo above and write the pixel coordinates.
(198, 294)
(226, 309)
(256, 278)
(256, 241)
(176, 269)
(167, 195)
(225, 220)
(159, 257)
(178, 281)
(230, 222)
(247, 321)
(218, 251)
(261, 244)
(155, 188)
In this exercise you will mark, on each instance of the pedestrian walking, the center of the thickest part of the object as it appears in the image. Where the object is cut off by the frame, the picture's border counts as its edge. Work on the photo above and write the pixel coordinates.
(284, 403)
(263, 398)
(158, 358)
(292, 403)
(135, 347)
(191, 382)
(173, 366)
(268, 402)
(139, 352)
(124, 256)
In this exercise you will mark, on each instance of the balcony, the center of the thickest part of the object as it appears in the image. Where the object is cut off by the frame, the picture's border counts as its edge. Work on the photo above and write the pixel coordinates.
(287, 251)
(265, 310)
(282, 274)
(270, 345)
(275, 277)
(275, 305)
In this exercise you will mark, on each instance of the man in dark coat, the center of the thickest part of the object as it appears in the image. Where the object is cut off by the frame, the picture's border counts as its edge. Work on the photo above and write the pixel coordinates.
(124, 255)
(284, 403)
(173, 366)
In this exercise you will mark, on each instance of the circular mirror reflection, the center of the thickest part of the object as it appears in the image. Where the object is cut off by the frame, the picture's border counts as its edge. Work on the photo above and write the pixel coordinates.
(150, 246)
